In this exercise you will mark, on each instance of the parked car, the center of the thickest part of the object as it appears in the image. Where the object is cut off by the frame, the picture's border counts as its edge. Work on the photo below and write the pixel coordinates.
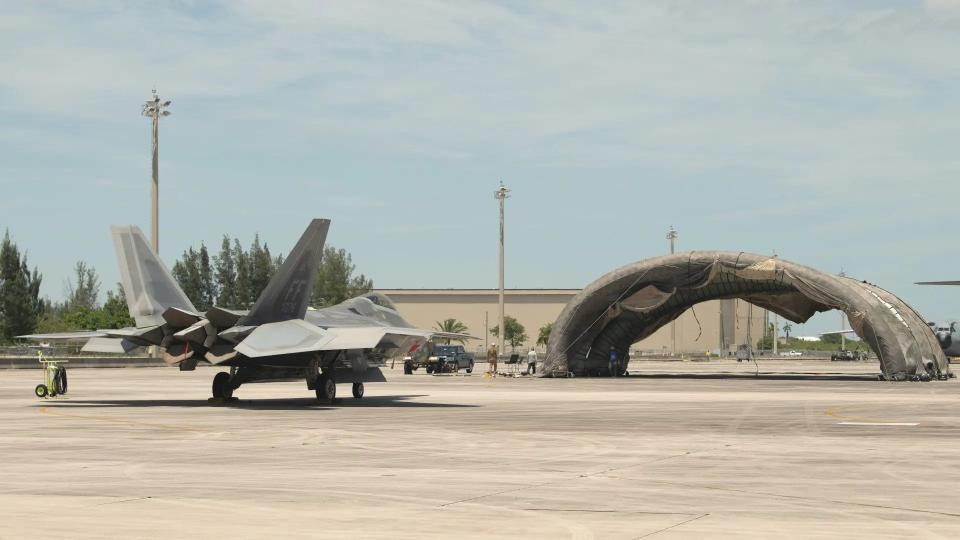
(791, 353)
(442, 359)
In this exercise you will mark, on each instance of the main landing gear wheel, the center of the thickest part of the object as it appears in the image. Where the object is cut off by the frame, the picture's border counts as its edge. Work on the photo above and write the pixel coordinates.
(326, 388)
(40, 390)
(358, 390)
(470, 367)
(221, 386)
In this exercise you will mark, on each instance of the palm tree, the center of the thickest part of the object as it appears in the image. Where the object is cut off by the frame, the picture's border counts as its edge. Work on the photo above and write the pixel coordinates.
(544, 334)
(787, 327)
(451, 326)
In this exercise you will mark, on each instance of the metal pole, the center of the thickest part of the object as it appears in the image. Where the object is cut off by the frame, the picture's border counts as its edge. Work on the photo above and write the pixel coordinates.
(154, 109)
(672, 236)
(486, 333)
(843, 325)
(776, 322)
(502, 193)
(155, 191)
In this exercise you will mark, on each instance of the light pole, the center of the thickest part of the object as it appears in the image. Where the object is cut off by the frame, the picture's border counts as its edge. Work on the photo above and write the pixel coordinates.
(672, 237)
(776, 322)
(154, 109)
(501, 194)
(843, 322)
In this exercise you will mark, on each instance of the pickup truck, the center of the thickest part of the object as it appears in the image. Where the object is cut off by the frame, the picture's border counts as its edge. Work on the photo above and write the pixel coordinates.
(442, 359)
(848, 356)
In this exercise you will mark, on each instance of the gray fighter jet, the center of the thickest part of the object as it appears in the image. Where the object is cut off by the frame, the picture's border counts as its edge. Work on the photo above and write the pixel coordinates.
(278, 339)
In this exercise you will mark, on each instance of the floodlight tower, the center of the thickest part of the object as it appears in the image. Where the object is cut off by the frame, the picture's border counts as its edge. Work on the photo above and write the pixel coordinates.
(154, 109)
(672, 236)
(501, 194)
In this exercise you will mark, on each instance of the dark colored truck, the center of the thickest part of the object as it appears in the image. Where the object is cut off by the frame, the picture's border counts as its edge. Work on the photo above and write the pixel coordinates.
(844, 355)
(442, 359)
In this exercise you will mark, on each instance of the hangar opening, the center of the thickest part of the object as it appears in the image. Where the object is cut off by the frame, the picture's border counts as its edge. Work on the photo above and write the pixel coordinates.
(632, 302)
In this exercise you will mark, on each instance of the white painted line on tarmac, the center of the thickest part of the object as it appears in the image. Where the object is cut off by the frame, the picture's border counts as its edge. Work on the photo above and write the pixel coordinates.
(878, 423)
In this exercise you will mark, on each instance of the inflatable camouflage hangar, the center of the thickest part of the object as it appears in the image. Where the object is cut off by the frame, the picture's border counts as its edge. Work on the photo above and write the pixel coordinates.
(632, 302)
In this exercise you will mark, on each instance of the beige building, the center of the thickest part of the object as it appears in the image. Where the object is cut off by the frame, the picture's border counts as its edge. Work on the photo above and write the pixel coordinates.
(698, 330)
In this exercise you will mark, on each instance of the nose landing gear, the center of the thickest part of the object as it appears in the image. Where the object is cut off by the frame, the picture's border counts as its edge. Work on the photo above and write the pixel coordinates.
(222, 386)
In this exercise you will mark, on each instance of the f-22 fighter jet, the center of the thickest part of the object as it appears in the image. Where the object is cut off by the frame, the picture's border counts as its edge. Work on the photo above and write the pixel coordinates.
(278, 339)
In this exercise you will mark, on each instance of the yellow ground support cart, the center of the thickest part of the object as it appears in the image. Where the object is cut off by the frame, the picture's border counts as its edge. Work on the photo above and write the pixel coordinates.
(54, 377)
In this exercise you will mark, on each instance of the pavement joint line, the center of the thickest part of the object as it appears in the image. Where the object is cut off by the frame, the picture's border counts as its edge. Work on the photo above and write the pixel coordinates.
(671, 527)
(47, 410)
(810, 499)
(125, 500)
(579, 476)
(588, 510)
(849, 423)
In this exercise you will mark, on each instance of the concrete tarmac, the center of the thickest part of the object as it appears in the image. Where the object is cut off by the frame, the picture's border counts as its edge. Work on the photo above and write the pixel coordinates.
(139, 453)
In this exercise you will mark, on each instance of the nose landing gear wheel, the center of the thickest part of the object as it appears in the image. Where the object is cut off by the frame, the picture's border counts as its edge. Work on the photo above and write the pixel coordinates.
(40, 391)
(326, 389)
(358, 390)
(221, 386)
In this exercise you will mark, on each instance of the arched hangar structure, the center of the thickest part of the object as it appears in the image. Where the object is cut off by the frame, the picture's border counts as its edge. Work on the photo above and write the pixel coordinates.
(632, 302)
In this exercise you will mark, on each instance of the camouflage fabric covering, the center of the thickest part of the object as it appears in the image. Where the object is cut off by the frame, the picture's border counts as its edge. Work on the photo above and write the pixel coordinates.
(632, 302)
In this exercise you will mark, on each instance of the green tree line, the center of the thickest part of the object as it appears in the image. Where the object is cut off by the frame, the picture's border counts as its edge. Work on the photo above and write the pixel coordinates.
(235, 277)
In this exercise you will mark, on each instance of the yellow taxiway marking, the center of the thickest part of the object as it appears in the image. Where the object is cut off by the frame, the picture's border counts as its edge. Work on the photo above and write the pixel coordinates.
(47, 410)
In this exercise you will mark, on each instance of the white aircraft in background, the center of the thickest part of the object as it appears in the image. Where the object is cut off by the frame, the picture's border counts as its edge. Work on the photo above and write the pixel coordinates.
(948, 333)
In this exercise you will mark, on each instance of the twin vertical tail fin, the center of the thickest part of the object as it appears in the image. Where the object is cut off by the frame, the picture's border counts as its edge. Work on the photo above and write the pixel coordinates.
(288, 293)
(166, 317)
(148, 285)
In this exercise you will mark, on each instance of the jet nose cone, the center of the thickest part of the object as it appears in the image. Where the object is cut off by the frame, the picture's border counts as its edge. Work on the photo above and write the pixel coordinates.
(944, 339)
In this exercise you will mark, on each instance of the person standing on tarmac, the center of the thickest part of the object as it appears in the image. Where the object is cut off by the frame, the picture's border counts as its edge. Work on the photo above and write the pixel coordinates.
(614, 363)
(532, 361)
(492, 359)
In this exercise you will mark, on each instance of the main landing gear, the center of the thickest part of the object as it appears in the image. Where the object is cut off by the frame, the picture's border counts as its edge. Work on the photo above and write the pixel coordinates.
(326, 388)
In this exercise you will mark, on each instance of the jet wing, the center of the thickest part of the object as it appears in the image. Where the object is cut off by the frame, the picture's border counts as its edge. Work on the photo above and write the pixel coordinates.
(109, 345)
(65, 336)
(838, 332)
(938, 283)
(298, 336)
(97, 341)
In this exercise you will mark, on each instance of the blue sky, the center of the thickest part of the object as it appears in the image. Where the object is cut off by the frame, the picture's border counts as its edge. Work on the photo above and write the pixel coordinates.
(825, 131)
